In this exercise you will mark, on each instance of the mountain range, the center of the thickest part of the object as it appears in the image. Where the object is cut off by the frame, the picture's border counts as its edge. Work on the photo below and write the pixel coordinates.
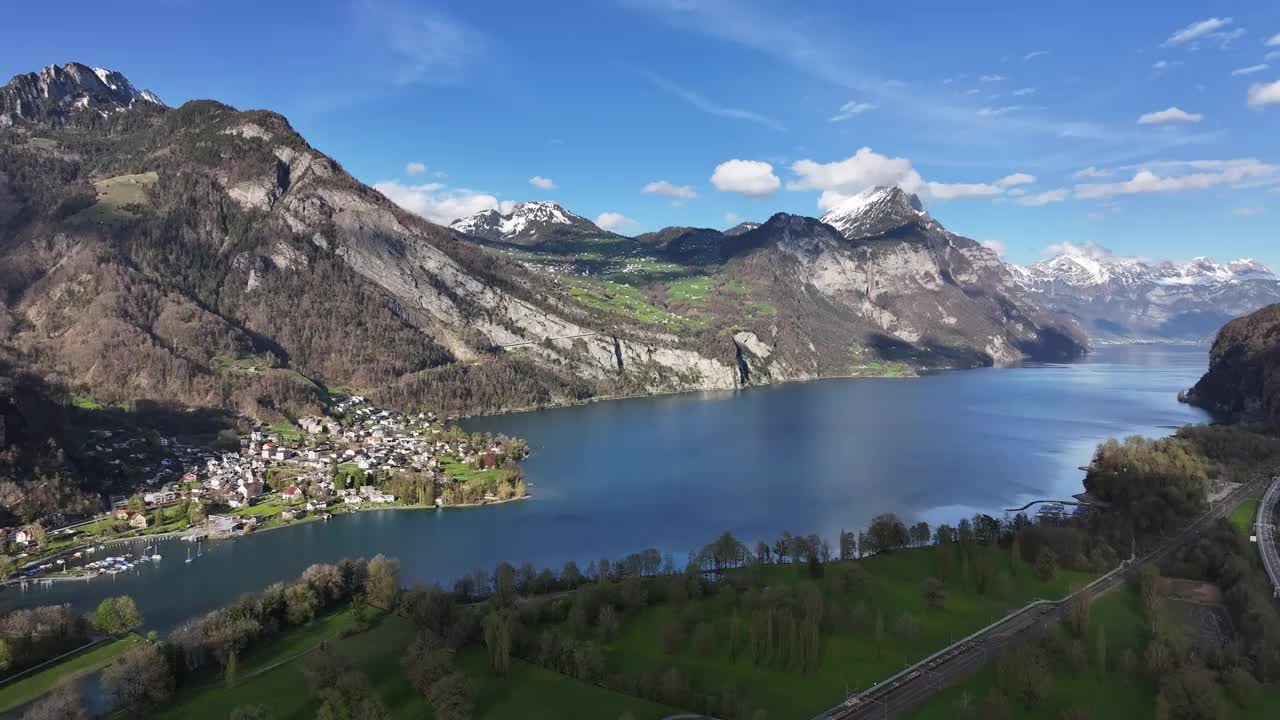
(208, 256)
(1122, 298)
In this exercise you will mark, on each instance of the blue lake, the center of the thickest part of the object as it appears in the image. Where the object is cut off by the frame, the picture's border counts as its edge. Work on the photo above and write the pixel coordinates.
(673, 472)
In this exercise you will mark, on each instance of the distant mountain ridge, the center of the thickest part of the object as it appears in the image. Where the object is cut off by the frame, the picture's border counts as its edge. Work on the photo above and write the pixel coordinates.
(1120, 298)
(58, 91)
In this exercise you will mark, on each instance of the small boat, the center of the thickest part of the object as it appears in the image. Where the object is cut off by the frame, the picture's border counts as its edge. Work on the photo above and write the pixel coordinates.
(155, 556)
(189, 558)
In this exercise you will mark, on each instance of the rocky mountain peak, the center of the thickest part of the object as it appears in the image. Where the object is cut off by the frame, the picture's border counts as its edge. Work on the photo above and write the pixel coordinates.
(527, 223)
(58, 92)
(876, 211)
(741, 228)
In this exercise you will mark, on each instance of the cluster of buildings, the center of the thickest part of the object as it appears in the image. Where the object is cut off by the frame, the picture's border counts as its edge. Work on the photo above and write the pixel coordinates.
(333, 462)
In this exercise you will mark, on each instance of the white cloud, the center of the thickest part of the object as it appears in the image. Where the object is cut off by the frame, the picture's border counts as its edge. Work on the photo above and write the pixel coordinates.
(437, 204)
(614, 221)
(996, 247)
(678, 193)
(1274, 41)
(1169, 115)
(1250, 70)
(1035, 54)
(1248, 212)
(1016, 192)
(1044, 198)
(972, 91)
(1091, 172)
(731, 219)
(1205, 174)
(866, 169)
(997, 111)
(1273, 55)
(1024, 91)
(1016, 179)
(542, 183)
(991, 78)
(1088, 248)
(1197, 30)
(713, 108)
(1264, 94)
(852, 108)
(415, 169)
(1165, 64)
(752, 178)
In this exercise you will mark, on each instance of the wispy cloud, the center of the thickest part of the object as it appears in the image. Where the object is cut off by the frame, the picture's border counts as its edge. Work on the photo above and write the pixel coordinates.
(1092, 172)
(428, 46)
(1250, 70)
(542, 183)
(1249, 212)
(992, 78)
(1168, 177)
(1044, 198)
(1021, 92)
(1198, 30)
(415, 169)
(850, 109)
(1169, 115)
(997, 111)
(614, 221)
(1034, 54)
(678, 193)
(713, 108)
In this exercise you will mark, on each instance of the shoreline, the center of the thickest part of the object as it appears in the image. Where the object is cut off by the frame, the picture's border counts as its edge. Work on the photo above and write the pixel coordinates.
(689, 391)
(18, 582)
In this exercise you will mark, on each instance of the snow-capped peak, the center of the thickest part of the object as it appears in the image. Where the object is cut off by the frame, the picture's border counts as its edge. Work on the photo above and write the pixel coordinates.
(118, 83)
(526, 223)
(875, 211)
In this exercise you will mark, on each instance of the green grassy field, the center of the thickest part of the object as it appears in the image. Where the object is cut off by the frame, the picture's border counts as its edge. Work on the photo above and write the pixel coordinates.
(1109, 694)
(1244, 515)
(527, 692)
(286, 430)
(848, 654)
(115, 194)
(33, 686)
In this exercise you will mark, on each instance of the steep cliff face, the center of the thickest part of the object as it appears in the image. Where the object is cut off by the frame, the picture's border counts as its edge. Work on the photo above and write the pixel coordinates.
(1243, 380)
(909, 280)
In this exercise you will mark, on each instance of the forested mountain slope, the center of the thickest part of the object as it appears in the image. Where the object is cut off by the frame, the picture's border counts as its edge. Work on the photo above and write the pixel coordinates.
(1243, 380)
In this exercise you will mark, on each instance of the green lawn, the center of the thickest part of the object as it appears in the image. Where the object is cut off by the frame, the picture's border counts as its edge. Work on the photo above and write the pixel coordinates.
(526, 693)
(483, 480)
(1244, 515)
(286, 430)
(1108, 694)
(33, 686)
(848, 655)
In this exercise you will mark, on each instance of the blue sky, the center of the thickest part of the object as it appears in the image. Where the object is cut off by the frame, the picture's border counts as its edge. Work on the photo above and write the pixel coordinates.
(1150, 128)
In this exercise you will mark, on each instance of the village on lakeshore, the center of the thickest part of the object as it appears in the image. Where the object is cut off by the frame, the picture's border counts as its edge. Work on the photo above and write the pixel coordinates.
(355, 456)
